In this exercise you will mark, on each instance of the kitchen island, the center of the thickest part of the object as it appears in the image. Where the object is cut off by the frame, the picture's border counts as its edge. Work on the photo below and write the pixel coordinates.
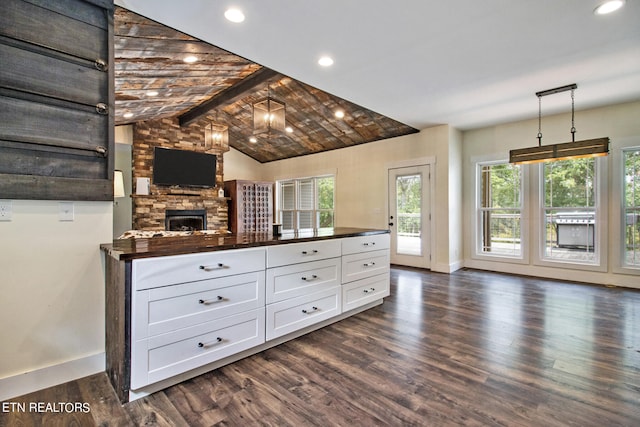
(177, 307)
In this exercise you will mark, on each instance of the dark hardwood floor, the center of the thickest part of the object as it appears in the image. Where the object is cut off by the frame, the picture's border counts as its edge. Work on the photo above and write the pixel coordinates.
(471, 348)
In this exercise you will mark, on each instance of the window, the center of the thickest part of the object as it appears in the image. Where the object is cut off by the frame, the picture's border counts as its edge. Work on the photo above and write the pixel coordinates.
(569, 211)
(631, 211)
(306, 203)
(500, 210)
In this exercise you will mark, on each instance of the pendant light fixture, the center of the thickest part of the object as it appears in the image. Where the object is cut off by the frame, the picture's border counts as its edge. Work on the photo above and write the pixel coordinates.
(216, 135)
(268, 115)
(569, 150)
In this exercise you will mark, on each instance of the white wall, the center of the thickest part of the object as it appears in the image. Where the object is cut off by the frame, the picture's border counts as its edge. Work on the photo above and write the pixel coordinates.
(237, 165)
(361, 182)
(52, 304)
(618, 122)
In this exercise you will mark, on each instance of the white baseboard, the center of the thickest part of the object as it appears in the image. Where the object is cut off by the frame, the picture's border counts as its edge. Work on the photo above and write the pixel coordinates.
(447, 268)
(29, 382)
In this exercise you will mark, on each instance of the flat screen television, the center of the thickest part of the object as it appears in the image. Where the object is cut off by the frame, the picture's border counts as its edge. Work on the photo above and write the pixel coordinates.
(183, 168)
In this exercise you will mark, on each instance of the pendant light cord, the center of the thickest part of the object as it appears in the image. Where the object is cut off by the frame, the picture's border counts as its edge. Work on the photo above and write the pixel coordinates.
(573, 128)
(540, 120)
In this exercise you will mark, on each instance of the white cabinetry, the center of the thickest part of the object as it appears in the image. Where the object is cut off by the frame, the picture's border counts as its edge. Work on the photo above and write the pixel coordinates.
(365, 270)
(303, 285)
(190, 310)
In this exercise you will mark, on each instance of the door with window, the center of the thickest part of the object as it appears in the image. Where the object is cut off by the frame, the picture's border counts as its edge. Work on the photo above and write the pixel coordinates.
(409, 216)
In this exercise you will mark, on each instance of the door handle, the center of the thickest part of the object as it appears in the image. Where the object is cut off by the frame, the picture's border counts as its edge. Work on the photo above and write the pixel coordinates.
(390, 223)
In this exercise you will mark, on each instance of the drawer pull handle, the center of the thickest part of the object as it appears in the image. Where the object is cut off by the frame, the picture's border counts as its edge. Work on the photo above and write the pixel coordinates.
(310, 311)
(309, 252)
(313, 277)
(368, 264)
(211, 301)
(203, 345)
(367, 244)
(366, 291)
(212, 267)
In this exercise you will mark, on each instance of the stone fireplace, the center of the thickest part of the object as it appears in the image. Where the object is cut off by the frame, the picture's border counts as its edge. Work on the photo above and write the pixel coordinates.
(150, 210)
(185, 220)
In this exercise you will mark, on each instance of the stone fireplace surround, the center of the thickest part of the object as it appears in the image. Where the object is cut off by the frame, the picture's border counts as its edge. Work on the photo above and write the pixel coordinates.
(149, 210)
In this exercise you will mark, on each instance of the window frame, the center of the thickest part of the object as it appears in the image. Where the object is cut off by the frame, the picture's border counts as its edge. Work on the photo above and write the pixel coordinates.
(624, 267)
(478, 253)
(601, 222)
(296, 211)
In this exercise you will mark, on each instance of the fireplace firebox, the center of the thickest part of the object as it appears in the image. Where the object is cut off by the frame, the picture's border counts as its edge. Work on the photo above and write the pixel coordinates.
(185, 220)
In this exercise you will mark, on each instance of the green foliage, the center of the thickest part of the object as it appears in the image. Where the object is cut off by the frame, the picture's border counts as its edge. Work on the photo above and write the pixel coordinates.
(409, 194)
(632, 179)
(325, 192)
(503, 185)
(570, 183)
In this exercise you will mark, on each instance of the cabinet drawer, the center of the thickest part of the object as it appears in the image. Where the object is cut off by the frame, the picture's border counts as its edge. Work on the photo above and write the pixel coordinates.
(367, 264)
(354, 245)
(169, 270)
(168, 308)
(163, 356)
(300, 279)
(290, 315)
(294, 253)
(364, 291)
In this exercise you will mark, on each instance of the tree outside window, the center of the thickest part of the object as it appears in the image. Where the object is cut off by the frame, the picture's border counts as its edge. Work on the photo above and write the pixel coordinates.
(631, 210)
(500, 210)
(569, 210)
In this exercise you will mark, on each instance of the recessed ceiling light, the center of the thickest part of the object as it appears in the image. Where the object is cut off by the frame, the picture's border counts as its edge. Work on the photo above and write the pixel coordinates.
(339, 114)
(234, 15)
(608, 7)
(152, 93)
(190, 59)
(127, 115)
(253, 139)
(325, 61)
(288, 129)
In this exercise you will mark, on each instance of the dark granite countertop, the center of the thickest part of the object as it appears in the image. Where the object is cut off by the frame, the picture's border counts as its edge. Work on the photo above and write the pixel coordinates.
(128, 249)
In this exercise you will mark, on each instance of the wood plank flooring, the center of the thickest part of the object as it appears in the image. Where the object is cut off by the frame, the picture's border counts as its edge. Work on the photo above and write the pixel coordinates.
(471, 348)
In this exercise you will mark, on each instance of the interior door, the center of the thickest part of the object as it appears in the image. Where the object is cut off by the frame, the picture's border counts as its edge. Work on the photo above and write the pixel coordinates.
(410, 216)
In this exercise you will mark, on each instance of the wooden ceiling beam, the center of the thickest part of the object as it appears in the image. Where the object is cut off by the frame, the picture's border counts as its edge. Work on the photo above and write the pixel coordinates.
(228, 95)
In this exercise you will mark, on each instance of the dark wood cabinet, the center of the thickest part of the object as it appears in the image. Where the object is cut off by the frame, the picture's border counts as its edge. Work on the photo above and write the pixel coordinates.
(251, 205)
(56, 99)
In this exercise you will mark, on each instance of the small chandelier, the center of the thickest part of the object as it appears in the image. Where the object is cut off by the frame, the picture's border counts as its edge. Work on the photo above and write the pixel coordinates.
(268, 115)
(568, 150)
(216, 135)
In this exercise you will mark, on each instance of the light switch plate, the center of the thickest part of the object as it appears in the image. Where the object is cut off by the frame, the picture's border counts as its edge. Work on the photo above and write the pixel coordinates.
(65, 211)
(6, 210)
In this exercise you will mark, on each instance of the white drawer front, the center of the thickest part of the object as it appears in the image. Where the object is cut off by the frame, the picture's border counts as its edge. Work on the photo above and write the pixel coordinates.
(290, 315)
(163, 271)
(301, 279)
(354, 245)
(165, 309)
(367, 264)
(364, 291)
(294, 253)
(157, 358)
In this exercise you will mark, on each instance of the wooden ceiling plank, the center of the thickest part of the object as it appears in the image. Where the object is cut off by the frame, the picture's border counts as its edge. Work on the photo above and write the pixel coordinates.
(228, 95)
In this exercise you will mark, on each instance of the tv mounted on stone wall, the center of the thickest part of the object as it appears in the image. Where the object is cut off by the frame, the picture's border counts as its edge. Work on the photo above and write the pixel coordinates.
(183, 168)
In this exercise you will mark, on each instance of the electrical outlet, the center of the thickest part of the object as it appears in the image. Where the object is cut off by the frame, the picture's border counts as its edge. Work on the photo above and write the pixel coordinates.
(5, 210)
(65, 211)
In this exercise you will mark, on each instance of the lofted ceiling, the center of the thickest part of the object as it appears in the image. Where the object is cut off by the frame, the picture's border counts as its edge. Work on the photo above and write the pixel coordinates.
(222, 87)
(465, 63)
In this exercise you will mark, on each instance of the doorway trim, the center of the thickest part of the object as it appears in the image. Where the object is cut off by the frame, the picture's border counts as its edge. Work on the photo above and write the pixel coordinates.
(420, 161)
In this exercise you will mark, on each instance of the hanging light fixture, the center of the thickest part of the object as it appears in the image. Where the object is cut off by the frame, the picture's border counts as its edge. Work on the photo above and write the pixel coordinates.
(216, 135)
(569, 150)
(268, 115)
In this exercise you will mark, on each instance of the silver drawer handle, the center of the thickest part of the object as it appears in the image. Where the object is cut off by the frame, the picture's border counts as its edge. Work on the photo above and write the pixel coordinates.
(367, 244)
(366, 291)
(309, 252)
(313, 277)
(310, 311)
(212, 267)
(211, 301)
(203, 345)
(368, 264)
